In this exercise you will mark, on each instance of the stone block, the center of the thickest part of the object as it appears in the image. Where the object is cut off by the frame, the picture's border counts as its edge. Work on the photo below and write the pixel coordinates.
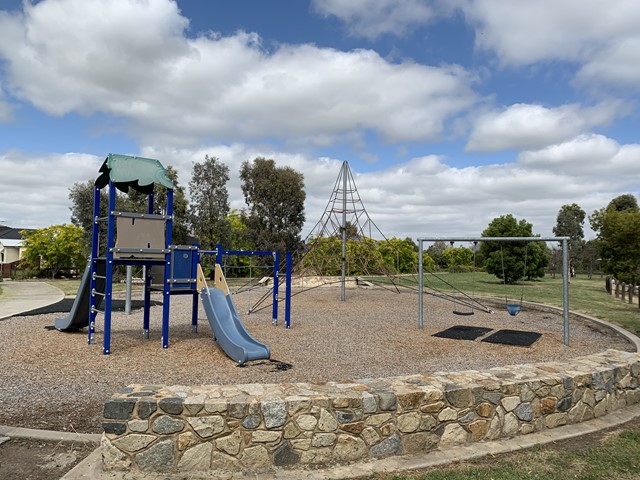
(274, 412)
(409, 422)
(301, 443)
(307, 422)
(251, 422)
(369, 404)
(510, 403)
(158, 458)
(432, 407)
(230, 444)
(215, 405)
(353, 428)
(291, 430)
(186, 440)
(224, 463)
(323, 439)
(459, 397)
(478, 429)
(327, 422)
(316, 456)
(427, 422)
(387, 401)
(453, 434)
(419, 442)
(265, 436)
(510, 425)
(349, 449)
(447, 415)
(548, 405)
(118, 409)
(388, 447)
(410, 400)
(114, 428)
(296, 404)
(145, 408)
(524, 412)
(285, 456)
(555, 420)
(133, 442)
(256, 459)
(196, 459)
(370, 436)
(165, 425)
(112, 458)
(344, 416)
(208, 426)
(485, 409)
(171, 405)
(138, 426)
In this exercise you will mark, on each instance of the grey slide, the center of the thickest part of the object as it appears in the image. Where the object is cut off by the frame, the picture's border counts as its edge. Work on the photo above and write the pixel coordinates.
(78, 317)
(230, 332)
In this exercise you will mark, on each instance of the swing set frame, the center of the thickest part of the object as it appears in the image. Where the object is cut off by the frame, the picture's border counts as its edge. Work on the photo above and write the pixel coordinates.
(564, 241)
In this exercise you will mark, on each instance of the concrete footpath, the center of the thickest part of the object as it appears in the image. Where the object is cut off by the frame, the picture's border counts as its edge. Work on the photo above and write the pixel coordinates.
(91, 467)
(20, 297)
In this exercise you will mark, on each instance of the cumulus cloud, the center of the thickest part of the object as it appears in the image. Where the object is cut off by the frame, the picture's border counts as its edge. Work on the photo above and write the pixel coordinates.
(424, 196)
(35, 188)
(590, 156)
(529, 126)
(92, 56)
(615, 65)
(522, 33)
(373, 18)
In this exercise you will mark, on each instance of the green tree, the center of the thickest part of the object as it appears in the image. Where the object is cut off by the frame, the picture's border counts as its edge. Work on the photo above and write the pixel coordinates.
(569, 223)
(435, 251)
(56, 247)
(400, 256)
(275, 197)
(209, 205)
(506, 260)
(617, 230)
(81, 196)
(457, 257)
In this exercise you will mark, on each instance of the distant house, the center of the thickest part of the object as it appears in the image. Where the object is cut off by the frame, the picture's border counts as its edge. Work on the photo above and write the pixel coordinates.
(11, 249)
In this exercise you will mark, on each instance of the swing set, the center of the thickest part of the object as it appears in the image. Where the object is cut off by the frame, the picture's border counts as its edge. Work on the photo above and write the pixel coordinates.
(512, 307)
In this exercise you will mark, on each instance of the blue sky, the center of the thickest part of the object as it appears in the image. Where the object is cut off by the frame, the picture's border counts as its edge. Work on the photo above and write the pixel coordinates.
(450, 113)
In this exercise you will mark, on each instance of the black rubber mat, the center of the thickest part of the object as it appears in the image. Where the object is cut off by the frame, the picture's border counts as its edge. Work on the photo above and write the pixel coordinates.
(513, 337)
(462, 332)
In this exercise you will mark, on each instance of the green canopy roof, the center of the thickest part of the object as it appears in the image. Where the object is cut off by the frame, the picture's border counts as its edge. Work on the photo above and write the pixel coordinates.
(136, 172)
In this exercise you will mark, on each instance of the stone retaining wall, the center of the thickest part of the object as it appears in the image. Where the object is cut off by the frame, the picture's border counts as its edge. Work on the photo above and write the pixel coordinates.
(254, 427)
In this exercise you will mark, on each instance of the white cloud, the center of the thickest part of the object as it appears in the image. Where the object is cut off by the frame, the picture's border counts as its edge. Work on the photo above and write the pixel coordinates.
(35, 188)
(374, 18)
(527, 32)
(422, 197)
(93, 56)
(591, 157)
(528, 126)
(618, 64)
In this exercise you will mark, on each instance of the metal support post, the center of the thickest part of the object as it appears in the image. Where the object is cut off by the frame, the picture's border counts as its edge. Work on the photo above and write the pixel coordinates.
(565, 289)
(420, 284)
(287, 297)
(276, 281)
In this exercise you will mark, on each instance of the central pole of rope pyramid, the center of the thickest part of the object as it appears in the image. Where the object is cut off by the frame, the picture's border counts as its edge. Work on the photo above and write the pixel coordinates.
(343, 226)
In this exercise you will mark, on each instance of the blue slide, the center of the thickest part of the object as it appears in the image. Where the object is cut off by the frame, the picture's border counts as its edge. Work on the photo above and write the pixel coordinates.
(230, 332)
(78, 317)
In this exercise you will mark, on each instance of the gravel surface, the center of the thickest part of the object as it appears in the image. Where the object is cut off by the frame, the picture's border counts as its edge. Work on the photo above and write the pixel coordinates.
(53, 380)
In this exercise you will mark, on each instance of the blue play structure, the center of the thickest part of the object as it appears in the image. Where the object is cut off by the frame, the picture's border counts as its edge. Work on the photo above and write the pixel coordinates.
(145, 239)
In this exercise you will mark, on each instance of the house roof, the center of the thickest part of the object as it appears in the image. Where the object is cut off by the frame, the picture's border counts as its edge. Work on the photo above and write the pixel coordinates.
(10, 233)
(136, 172)
(11, 243)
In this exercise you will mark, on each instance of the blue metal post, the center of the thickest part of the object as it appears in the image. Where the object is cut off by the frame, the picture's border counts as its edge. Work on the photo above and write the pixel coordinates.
(195, 260)
(219, 254)
(146, 316)
(276, 281)
(166, 297)
(287, 299)
(108, 282)
(95, 240)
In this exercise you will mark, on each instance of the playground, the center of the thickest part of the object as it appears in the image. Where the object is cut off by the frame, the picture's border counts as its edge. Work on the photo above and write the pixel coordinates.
(54, 380)
(192, 331)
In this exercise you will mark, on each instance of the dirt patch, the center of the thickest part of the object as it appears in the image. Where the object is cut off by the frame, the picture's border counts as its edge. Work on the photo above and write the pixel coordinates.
(37, 460)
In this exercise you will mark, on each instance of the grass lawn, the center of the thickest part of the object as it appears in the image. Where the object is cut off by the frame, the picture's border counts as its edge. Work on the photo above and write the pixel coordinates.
(612, 455)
